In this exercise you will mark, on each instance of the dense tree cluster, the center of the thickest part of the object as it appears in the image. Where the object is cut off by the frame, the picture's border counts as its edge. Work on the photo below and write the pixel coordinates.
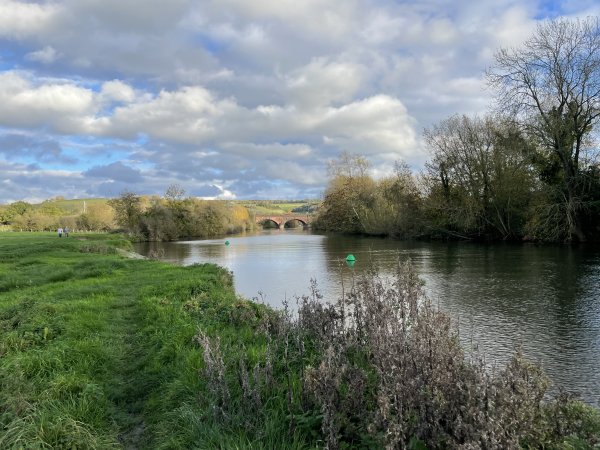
(52, 214)
(529, 171)
(173, 216)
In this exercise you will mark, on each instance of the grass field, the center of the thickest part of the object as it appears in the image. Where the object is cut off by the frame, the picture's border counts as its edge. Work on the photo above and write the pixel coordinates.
(97, 350)
(77, 206)
(273, 207)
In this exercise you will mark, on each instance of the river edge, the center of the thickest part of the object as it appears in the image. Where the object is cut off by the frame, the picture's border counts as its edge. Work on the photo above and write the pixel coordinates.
(502, 296)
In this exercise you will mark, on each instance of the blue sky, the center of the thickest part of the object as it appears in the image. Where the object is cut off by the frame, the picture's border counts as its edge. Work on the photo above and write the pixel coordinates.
(236, 98)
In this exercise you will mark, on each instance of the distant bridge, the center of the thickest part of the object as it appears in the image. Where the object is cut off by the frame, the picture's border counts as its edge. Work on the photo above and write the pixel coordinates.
(282, 219)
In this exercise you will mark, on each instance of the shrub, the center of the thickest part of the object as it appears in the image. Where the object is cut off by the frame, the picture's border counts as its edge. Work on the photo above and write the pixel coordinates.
(381, 367)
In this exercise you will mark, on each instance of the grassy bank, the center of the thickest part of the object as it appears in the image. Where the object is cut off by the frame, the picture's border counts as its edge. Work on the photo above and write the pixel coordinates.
(97, 350)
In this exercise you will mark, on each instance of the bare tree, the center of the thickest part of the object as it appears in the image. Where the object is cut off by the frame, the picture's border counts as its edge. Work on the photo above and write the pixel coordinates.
(174, 193)
(348, 165)
(552, 85)
(478, 177)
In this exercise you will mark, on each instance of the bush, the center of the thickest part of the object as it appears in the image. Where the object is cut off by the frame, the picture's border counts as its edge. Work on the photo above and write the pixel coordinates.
(382, 368)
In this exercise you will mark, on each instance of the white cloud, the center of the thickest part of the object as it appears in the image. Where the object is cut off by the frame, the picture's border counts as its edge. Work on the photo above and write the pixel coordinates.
(375, 125)
(131, 16)
(23, 182)
(20, 20)
(61, 106)
(320, 83)
(116, 90)
(442, 31)
(187, 115)
(509, 29)
(224, 194)
(46, 55)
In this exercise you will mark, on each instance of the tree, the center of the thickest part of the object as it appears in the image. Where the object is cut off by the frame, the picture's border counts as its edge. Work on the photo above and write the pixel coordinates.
(479, 177)
(18, 208)
(348, 165)
(96, 217)
(127, 210)
(349, 193)
(174, 193)
(395, 206)
(32, 220)
(180, 209)
(552, 86)
(158, 224)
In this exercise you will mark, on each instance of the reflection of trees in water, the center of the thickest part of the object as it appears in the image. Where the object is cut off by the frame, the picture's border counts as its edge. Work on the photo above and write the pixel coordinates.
(168, 251)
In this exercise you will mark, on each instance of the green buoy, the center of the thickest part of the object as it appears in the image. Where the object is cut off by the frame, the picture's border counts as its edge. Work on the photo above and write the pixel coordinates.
(226, 242)
(350, 260)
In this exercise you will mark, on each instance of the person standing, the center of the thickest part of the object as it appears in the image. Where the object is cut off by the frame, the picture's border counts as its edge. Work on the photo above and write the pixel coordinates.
(66, 231)
(60, 232)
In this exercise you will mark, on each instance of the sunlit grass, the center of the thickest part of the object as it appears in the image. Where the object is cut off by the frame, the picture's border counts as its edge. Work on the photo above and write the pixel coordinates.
(96, 350)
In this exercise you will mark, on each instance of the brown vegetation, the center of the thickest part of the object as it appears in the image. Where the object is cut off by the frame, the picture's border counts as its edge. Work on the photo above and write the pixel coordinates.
(381, 367)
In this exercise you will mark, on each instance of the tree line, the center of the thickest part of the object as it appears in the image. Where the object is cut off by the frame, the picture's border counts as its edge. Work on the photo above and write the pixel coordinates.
(529, 170)
(148, 218)
(52, 214)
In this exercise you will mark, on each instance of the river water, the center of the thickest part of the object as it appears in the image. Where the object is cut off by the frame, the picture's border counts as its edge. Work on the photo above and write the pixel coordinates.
(543, 298)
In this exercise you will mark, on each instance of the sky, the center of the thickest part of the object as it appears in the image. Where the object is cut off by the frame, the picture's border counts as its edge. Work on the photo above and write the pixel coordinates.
(237, 98)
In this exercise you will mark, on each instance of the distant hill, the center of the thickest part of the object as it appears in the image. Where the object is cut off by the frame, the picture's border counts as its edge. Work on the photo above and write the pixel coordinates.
(74, 206)
(274, 207)
(78, 206)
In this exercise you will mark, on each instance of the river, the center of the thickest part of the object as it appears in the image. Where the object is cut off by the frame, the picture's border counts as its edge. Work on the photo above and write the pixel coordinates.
(544, 298)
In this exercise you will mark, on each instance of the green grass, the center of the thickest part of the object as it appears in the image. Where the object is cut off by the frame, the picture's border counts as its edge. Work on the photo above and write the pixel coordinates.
(75, 206)
(273, 207)
(97, 351)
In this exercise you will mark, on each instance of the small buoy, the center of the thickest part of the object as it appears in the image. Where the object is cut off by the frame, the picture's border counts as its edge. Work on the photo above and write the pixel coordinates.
(350, 260)
(226, 242)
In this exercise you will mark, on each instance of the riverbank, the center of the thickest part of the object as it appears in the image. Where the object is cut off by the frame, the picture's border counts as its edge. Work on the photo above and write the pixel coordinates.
(98, 350)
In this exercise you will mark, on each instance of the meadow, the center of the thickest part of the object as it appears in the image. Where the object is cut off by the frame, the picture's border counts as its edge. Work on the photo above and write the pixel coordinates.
(97, 350)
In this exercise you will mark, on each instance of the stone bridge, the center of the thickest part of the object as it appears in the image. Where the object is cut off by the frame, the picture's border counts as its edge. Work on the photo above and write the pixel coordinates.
(282, 219)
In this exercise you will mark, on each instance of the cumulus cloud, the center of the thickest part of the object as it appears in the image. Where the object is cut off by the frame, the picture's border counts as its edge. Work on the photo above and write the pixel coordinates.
(24, 103)
(19, 20)
(234, 97)
(320, 83)
(30, 183)
(118, 91)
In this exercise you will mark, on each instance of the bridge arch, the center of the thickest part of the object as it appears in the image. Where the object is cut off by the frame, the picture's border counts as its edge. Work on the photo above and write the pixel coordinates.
(304, 224)
(268, 220)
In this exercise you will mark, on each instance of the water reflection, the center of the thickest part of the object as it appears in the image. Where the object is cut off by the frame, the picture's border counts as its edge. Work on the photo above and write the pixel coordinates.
(546, 299)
